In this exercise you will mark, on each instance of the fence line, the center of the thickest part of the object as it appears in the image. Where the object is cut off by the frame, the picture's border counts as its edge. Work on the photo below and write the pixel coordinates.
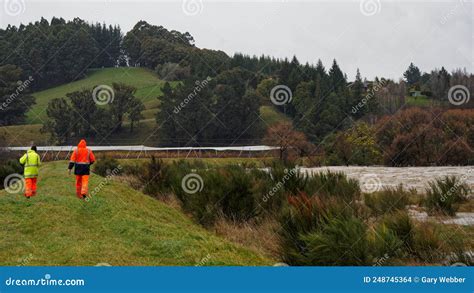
(54, 153)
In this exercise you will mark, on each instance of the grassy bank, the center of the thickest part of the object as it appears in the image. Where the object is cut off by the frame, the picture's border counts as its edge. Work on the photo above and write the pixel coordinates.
(119, 226)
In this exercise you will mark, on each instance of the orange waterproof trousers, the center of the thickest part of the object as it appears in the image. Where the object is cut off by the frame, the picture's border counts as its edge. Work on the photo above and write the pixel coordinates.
(30, 186)
(82, 185)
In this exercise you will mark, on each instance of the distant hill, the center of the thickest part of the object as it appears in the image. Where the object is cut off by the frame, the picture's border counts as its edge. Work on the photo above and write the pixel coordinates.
(146, 81)
(148, 87)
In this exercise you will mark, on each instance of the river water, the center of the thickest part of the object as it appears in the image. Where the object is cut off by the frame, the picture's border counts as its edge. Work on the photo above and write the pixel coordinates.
(374, 178)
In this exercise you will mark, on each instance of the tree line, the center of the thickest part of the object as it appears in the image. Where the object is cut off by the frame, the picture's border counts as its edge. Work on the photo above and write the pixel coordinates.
(81, 113)
(60, 51)
(218, 98)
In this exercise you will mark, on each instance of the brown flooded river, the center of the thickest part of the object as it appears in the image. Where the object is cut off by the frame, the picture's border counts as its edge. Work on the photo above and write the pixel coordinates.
(374, 178)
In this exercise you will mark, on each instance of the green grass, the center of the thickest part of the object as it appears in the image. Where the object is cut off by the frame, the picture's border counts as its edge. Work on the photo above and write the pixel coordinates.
(148, 89)
(118, 226)
(18, 135)
(421, 101)
(271, 115)
(211, 162)
(146, 81)
(21, 135)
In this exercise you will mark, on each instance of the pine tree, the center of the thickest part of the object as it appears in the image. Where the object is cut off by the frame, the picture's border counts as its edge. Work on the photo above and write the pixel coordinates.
(336, 77)
(357, 96)
(412, 75)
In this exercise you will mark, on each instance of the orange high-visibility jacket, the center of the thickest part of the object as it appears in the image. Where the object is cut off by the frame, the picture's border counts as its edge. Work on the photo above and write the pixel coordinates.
(81, 159)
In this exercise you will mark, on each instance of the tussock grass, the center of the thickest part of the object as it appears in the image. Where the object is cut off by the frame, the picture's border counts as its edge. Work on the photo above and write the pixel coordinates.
(444, 195)
(387, 200)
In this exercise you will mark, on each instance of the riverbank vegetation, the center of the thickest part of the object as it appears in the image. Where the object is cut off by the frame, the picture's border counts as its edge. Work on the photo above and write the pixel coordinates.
(324, 219)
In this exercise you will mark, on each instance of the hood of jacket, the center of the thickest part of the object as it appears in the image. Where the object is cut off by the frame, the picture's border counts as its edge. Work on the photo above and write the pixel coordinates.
(82, 144)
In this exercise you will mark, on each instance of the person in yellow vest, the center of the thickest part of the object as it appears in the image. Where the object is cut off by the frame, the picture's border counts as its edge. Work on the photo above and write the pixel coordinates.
(31, 163)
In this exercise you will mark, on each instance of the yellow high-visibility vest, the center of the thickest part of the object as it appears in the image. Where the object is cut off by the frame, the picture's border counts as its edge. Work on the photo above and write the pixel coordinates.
(31, 162)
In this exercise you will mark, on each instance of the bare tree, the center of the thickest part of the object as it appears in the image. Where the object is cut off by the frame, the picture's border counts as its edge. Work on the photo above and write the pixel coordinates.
(289, 141)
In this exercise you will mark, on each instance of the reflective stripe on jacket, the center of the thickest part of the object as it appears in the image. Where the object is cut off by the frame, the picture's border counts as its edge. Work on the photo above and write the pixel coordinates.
(31, 162)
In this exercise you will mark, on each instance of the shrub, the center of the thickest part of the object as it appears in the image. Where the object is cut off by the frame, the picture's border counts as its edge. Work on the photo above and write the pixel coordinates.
(333, 184)
(445, 195)
(427, 243)
(8, 168)
(354, 146)
(438, 243)
(306, 215)
(292, 180)
(401, 224)
(422, 137)
(133, 169)
(455, 244)
(387, 200)
(340, 242)
(202, 205)
(106, 165)
(177, 170)
(385, 245)
(155, 177)
(229, 191)
(302, 216)
(238, 202)
(326, 184)
(326, 231)
(269, 195)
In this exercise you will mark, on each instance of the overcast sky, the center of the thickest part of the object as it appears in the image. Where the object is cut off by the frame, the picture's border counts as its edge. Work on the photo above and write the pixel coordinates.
(379, 37)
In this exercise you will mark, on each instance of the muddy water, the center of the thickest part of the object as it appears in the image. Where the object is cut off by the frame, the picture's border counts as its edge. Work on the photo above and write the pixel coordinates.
(374, 178)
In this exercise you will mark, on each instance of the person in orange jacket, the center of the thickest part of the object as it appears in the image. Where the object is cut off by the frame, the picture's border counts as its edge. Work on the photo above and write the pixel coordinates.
(81, 159)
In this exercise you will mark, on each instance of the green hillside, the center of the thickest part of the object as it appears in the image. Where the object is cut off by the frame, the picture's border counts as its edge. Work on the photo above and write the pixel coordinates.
(147, 83)
(148, 89)
(119, 226)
